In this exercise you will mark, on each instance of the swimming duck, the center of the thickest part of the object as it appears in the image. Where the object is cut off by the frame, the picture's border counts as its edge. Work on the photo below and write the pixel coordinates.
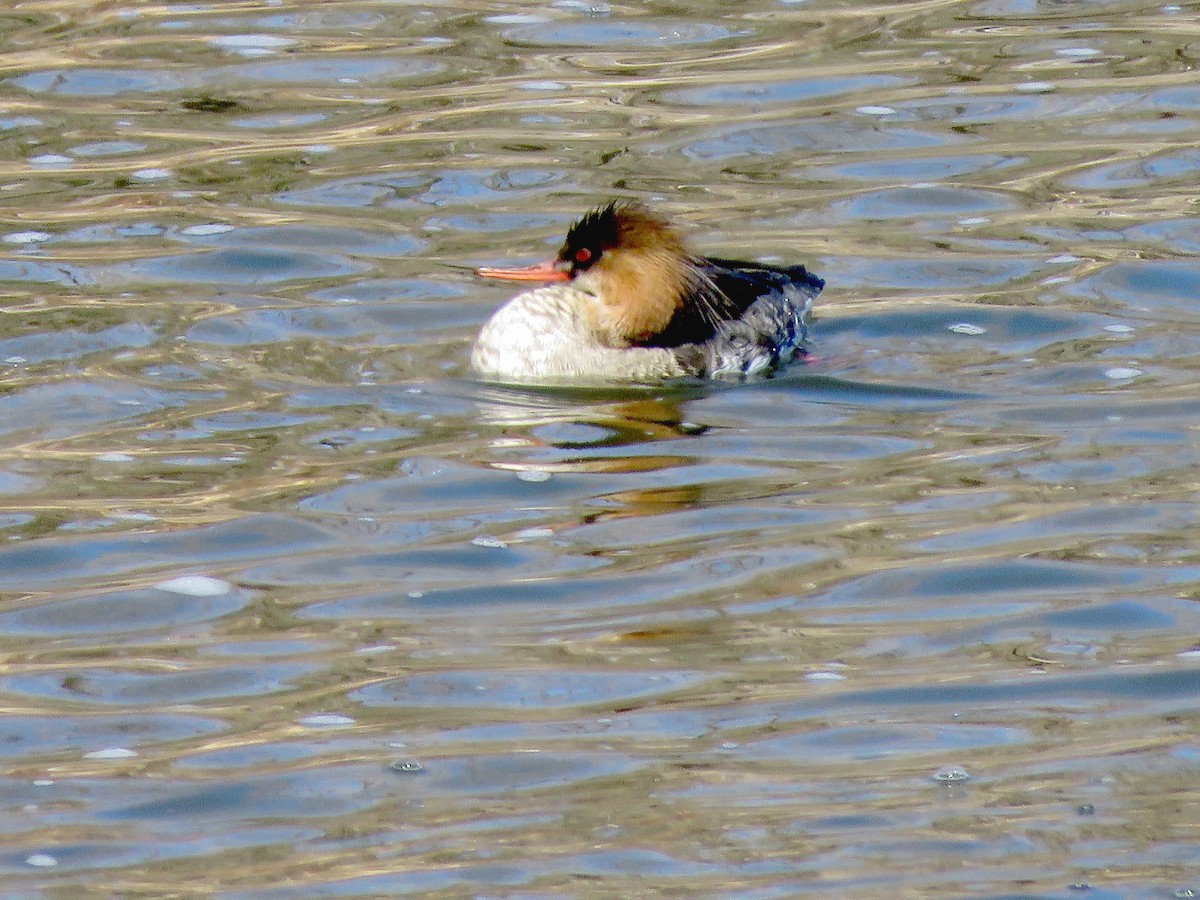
(625, 300)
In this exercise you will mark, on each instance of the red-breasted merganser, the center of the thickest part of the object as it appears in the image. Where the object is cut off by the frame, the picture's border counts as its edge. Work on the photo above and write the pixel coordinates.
(630, 303)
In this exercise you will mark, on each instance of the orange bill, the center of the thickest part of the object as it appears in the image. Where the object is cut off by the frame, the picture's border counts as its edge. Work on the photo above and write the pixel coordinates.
(543, 271)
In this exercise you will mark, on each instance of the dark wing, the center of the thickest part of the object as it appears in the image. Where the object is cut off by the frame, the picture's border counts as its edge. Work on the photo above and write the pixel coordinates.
(725, 289)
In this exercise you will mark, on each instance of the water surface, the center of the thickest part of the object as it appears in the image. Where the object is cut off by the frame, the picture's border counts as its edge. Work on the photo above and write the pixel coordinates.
(290, 606)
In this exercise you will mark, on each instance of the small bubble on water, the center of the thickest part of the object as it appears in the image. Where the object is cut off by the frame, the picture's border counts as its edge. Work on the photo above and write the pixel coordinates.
(586, 7)
(239, 42)
(26, 237)
(1034, 87)
(1122, 373)
(132, 516)
(195, 586)
(111, 753)
(406, 767)
(51, 161)
(326, 720)
(875, 110)
(729, 745)
(114, 457)
(966, 328)
(492, 543)
(533, 476)
(1118, 329)
(206, 229)
(534, 534)
(41, 860)
(951, 775)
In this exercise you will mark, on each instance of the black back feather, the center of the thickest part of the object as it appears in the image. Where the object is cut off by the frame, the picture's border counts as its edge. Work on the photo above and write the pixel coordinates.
(737, 284)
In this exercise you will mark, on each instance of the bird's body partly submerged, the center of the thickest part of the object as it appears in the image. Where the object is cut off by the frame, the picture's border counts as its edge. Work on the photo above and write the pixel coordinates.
(629, 303)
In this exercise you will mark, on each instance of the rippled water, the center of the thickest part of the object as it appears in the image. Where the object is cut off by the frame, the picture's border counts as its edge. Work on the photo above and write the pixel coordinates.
(292, 607)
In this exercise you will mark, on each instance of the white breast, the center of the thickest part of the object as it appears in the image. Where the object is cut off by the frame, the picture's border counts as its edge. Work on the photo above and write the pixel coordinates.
(545, 334)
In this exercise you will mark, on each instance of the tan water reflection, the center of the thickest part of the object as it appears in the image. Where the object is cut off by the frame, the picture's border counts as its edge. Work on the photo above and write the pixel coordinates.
(291, 607)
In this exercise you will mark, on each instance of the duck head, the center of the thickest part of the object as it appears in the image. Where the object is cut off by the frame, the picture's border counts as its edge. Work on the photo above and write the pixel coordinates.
(631, 260)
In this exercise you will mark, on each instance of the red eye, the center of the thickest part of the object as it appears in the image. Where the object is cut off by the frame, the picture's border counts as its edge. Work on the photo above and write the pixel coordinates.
(583, 255)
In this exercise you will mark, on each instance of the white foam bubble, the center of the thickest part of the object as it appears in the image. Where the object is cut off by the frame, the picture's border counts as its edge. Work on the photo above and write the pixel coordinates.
(111, 753)
(195, 586)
